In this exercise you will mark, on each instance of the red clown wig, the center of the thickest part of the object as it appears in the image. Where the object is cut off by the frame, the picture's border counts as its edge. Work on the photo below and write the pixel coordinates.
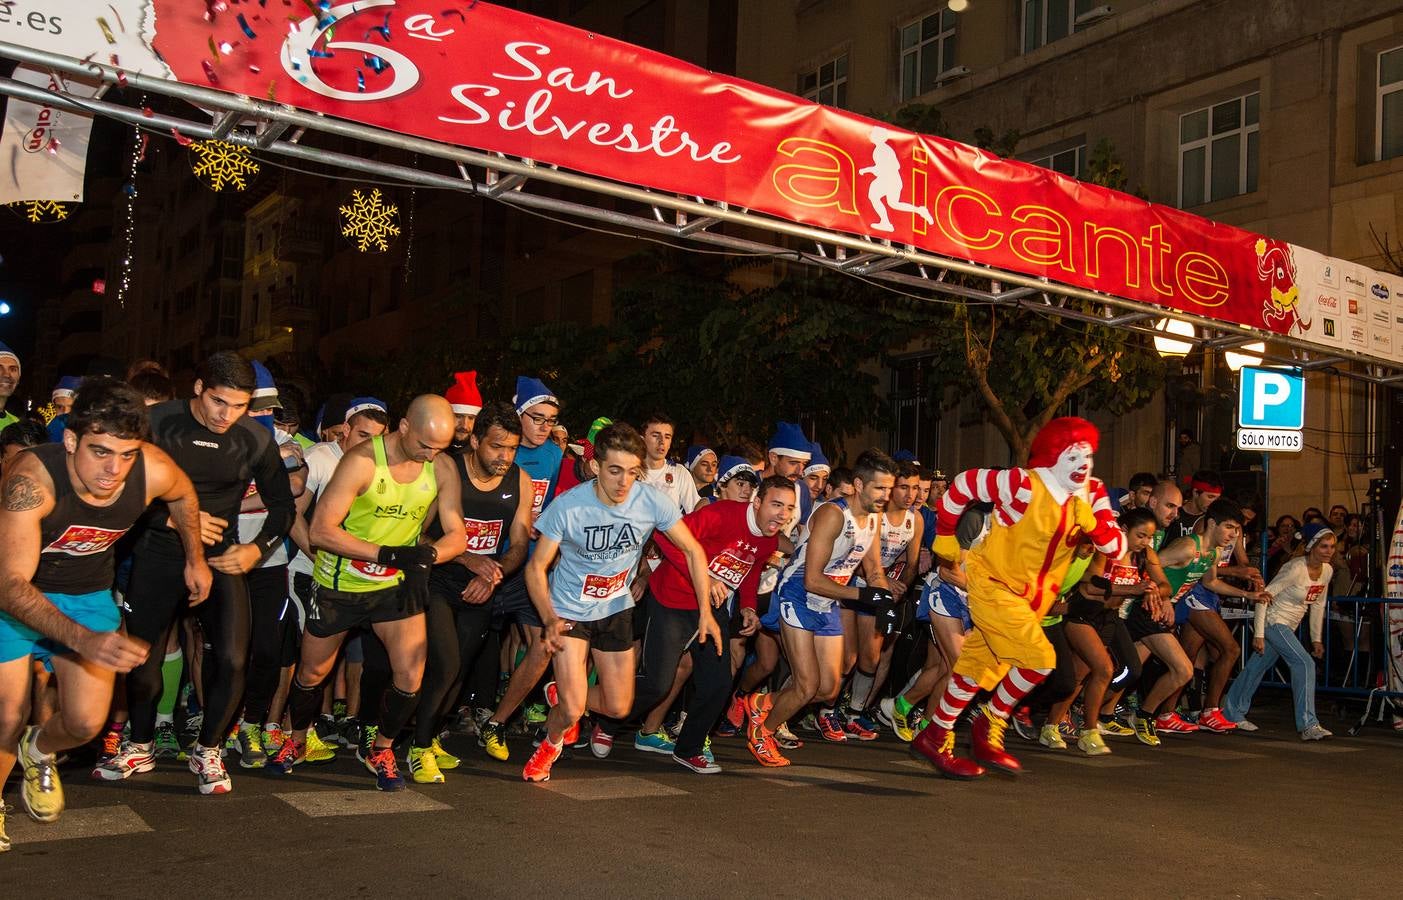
(1058, 435)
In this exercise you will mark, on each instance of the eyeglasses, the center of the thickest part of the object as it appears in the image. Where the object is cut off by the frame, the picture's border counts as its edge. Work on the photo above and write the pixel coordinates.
(540, 420)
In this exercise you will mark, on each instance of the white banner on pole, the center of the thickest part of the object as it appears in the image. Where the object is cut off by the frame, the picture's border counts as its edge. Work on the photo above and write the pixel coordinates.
(44, 150)
(1393, 612)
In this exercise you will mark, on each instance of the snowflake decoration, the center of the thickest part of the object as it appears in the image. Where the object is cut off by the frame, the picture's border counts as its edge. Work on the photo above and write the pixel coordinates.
(368, 221)
(41, 211)
(220, 164)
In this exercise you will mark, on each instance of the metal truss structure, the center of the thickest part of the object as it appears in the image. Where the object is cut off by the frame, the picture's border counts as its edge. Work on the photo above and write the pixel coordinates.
(277, 128)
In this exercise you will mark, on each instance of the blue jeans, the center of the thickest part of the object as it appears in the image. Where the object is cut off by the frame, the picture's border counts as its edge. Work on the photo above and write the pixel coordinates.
(1281, 643)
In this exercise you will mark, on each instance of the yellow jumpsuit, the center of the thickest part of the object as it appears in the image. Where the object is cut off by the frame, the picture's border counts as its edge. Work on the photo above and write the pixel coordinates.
(1014, 578)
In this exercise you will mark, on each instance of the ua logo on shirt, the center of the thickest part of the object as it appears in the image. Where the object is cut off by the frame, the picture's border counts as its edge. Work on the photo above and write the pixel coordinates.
(615, 538)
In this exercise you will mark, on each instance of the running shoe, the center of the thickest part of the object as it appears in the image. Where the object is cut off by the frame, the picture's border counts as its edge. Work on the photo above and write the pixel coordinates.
(1173, 723)
(382, 762)
(1145, 730)
(190, 731)
(734, 719)
(249, 743)
(210, 775)
(338, 710)
(1212, 719)
(423, 766)
(492, 737)
(1316, 733)
(41, 792)
(109, 747)
(167, 744)
(786, 739)
(536, 713)
(656, 742)
(327, 727)
(572, 733)
(860, 728)
(1023, 724)
(318, 751)
(1244, 725)
(765, 751)
(889, 716)
(445, 759)
(706, 750)
(586, 734)
(1116, 728)
(832, 727)
(4, 838)
(289, 754)
(538, 766)
(699, 764)
(809, 723)
(131, 759)
(757, 708)
(1051, 737)
(1091, 743)
(601, 742)
(368, 733)
(348, 734)
(273, 737)
(674, 728)
(1067, 728)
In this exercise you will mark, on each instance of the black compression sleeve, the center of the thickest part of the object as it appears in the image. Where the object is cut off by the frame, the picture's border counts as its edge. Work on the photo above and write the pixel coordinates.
(276, 492)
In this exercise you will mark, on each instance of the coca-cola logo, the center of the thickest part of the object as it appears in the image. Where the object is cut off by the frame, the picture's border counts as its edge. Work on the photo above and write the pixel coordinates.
(1328, 302)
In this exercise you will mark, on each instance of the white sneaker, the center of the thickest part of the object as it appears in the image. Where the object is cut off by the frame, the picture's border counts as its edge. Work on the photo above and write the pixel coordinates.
(209, 769)
(132, 759)
(1315, 733)
(1245, 725)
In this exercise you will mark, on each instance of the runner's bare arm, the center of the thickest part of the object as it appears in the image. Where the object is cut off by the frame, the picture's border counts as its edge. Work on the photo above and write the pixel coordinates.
(520, 529)
(824, 525)
(450, 510)
(872, 571)
(538, 589)
(351, 479)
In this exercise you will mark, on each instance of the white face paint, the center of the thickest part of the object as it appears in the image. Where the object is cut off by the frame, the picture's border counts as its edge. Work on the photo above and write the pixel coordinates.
(1073, 467)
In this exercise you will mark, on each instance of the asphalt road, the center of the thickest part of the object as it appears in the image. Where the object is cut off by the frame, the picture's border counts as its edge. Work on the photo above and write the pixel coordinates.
(1261, 815)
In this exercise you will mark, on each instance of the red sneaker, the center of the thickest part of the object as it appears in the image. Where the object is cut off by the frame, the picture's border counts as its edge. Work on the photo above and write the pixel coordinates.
(538, 766)
(860, 728)
(832, 726)
(1213, 720)
(987, 742)
(1173, 723)
(735, 715)
(757, 708)
(938, 745)
(766, 752)
(572, 734)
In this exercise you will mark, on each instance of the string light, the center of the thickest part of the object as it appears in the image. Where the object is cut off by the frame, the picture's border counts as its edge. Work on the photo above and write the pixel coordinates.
(124, 282)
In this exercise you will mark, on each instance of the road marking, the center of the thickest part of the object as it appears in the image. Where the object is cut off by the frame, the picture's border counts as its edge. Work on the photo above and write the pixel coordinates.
(363, 802)
(1078, 759)
(615, 787)
(98, 821)
(802, 776)
(1208, 752)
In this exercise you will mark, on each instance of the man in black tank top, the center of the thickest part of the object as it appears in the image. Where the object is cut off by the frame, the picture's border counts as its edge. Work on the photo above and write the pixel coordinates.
(222, 451)
(496, 500)
(65, 507)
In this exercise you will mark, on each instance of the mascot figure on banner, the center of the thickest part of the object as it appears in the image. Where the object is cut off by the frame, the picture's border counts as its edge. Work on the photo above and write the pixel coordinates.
(1040, 515)
(1276, 268)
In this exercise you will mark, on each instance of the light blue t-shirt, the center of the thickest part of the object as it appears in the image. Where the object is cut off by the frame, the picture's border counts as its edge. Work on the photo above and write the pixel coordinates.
(600, 546)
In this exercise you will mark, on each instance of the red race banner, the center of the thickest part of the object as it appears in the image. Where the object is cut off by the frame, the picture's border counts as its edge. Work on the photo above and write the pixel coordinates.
(478, 75)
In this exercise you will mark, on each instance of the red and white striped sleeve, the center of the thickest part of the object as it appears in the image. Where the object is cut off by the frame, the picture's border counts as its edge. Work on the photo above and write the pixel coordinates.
(1107, 536)
(1008, 489)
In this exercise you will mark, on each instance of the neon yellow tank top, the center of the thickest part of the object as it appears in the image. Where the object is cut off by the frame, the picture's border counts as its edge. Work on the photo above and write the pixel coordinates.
(389, 514)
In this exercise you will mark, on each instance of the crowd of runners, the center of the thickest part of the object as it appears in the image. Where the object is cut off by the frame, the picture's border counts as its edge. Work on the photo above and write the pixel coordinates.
(221, 579)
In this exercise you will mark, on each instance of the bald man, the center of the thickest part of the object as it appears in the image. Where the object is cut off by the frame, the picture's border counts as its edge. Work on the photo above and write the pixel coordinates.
(372, 571)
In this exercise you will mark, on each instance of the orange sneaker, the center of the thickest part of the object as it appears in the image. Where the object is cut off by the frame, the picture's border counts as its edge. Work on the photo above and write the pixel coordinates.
(572, 734)
(538, 766)
(757, 708)
(766, 751)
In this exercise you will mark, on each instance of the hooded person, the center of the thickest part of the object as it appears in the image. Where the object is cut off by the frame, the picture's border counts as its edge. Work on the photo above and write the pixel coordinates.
(466, 401)
(1014, 576)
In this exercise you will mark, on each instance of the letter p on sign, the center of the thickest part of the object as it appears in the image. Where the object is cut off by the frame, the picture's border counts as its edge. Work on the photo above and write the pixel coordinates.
(1271, 398)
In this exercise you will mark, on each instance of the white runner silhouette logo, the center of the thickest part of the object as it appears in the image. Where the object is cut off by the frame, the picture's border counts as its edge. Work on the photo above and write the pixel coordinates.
(885, 189)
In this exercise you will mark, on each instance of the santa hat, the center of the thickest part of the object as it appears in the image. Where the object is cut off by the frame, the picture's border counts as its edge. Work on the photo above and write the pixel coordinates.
(1058, 435)
(529, 392)
(731, 466)
(7, 353)
(696, 453)
(818, 463)
(464, 396)
(788, 440)
(361, 404)
(67, 386)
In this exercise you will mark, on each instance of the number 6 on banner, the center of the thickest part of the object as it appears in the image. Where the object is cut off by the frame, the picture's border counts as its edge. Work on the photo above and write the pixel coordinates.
(297, 58)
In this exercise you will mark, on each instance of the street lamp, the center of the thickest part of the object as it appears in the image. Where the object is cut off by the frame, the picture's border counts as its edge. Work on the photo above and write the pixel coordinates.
(957, 6)
(1168, 347)
(4, 308)
(1246, 355)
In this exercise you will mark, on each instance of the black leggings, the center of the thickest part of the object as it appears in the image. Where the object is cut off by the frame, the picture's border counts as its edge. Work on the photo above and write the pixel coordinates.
(274, 639)
(1062, 681)
(669, 635)
(156, 599)
(457, 633)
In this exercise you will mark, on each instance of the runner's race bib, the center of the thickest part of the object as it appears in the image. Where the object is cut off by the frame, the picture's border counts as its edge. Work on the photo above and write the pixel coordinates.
(602, 588)
(729, 568)
(84, 540)
(372, 571)
(539, 486)
(483, 537)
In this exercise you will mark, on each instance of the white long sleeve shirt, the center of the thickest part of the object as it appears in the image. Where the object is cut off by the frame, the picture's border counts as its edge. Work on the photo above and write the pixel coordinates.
(1294, 593)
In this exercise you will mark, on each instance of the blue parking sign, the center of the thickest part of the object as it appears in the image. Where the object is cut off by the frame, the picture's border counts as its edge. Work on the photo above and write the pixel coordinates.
(1271, 398)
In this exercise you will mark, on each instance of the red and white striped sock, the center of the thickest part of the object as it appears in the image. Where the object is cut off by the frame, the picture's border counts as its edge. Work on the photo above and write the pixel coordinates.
(958, 694)
(1017, 684)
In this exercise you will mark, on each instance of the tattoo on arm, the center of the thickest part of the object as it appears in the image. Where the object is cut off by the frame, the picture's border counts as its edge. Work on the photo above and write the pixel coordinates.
(22, 493)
